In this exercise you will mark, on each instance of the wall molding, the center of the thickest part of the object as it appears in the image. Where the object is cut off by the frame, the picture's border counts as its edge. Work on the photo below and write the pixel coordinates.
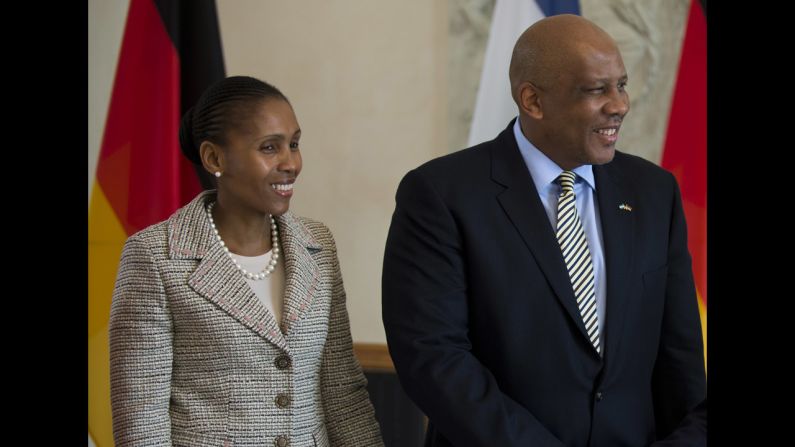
(374, 357)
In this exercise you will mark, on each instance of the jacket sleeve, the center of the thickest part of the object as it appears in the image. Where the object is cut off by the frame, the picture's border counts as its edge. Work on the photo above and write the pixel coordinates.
(140, 351)
(425, 313)
(350, 418)
(679, 381)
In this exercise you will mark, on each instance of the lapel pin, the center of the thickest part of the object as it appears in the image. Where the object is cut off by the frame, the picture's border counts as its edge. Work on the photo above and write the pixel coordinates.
(625, 207)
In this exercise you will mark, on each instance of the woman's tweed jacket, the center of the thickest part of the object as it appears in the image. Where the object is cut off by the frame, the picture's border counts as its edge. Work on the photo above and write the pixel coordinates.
(197, 360)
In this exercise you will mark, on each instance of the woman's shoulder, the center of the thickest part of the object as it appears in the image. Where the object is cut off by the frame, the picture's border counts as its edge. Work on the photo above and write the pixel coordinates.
(313, 225)
(181, 220)
(315, 230)
(152, 237)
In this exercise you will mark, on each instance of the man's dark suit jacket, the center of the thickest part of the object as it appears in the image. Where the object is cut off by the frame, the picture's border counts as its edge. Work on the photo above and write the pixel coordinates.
(482, 322)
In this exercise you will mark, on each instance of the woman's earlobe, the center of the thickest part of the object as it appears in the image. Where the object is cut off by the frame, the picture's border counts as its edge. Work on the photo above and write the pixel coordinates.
(211, 158)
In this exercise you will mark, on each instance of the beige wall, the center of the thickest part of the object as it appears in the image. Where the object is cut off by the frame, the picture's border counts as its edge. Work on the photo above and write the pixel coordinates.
(367, 81)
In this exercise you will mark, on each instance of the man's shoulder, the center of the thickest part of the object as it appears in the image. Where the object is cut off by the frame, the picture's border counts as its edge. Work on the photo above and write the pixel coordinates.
(453, 163)
(638, 168)
(467, 171)
(473, 163)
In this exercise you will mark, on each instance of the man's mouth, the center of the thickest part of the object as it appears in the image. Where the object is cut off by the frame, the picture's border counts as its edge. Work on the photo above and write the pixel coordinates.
(610, 131)
(608, 134)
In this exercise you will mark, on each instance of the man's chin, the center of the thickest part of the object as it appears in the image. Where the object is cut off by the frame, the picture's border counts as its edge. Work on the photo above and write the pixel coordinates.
(602, 156)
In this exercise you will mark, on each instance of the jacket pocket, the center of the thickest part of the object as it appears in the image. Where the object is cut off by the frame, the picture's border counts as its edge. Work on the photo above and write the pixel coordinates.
(187, 438)
(320, 436)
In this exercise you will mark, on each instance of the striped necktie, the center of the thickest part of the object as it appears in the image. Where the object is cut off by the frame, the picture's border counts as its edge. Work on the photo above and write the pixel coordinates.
(577, 256)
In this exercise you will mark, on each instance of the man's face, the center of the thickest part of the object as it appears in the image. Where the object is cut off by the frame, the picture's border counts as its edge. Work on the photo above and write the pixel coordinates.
(584, 107)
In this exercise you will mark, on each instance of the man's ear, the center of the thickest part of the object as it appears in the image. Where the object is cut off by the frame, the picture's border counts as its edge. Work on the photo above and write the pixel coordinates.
(530, 100)
(212, 157)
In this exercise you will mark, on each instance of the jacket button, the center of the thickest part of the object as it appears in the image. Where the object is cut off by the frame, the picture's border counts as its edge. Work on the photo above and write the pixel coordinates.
(282, 361)
(282, 441)
(282, 401)
(598, 396)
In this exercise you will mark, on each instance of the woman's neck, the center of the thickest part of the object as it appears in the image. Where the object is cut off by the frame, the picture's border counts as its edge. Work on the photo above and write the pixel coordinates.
(244, 232)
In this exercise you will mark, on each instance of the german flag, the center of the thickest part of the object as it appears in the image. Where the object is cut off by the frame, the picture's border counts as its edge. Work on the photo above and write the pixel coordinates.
(170, 53)
(685, 150)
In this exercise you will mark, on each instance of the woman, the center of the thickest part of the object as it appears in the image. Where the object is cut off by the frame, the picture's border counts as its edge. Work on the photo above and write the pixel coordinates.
(228, 324)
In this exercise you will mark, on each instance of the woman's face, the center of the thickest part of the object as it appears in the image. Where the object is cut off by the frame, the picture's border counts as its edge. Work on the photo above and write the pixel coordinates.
(261, 159)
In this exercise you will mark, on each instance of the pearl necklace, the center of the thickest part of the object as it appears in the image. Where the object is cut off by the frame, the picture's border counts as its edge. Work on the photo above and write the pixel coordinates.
(274, 253)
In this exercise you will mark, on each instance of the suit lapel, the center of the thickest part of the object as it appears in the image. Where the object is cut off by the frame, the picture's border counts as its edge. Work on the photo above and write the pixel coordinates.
(216, 278)
(302, 272)
(521, 203)
(618, 234)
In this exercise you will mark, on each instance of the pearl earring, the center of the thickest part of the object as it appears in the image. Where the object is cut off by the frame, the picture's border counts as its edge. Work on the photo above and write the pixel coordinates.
(217, 173)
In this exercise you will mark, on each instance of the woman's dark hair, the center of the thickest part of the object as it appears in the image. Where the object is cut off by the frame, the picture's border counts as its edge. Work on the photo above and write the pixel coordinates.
(222, 106)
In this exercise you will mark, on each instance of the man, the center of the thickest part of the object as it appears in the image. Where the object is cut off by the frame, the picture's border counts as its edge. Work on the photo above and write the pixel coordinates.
(516, 318)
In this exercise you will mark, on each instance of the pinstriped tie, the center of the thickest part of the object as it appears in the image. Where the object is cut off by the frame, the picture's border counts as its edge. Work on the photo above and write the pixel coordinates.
(577, 256)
